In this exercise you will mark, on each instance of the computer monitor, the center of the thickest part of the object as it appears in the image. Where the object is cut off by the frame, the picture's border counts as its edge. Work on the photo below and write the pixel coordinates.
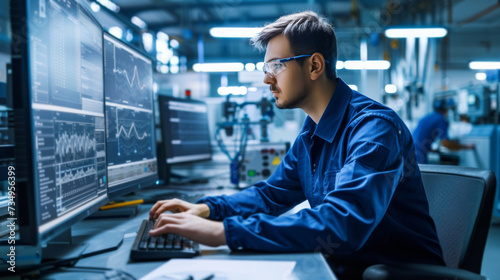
(131, 151)
(185, 132)
(60, 141)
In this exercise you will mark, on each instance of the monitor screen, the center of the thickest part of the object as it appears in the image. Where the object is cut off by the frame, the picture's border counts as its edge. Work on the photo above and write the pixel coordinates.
(59, 125)
(131, 150)
(185, 133)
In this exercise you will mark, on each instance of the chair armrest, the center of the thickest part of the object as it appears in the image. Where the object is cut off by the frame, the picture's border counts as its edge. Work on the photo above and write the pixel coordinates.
(417, 271)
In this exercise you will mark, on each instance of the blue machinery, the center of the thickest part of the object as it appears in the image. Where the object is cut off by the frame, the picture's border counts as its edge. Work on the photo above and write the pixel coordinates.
(243, 126)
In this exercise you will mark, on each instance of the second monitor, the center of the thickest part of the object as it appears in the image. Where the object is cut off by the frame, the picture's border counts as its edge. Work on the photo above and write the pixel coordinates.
(185, 131)
(130, 137)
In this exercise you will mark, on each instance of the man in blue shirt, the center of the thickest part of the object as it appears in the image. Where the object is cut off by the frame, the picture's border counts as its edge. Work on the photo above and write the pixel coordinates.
(354, 161)
(435, 126)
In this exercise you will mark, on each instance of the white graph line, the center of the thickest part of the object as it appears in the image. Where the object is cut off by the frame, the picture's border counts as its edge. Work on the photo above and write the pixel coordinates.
(125, 73)
(127, 134)
(72, 144)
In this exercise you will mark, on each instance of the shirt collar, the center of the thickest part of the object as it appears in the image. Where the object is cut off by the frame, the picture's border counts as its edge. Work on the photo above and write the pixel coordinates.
(330, 120)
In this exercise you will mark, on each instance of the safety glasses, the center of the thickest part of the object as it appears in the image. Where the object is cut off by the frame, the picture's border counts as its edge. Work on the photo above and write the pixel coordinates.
(276, 66)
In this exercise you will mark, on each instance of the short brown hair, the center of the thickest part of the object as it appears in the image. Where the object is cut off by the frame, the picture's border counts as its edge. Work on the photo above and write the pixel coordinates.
(307, 33)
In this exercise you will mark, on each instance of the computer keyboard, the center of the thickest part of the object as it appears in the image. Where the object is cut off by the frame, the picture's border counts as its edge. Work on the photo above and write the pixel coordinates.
(163, 247)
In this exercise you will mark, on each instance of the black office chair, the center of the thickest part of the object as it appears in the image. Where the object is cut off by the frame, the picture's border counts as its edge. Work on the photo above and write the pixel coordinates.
(461, 203)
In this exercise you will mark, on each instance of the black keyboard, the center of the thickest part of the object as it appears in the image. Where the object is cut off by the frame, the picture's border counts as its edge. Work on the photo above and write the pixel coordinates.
(163, 247)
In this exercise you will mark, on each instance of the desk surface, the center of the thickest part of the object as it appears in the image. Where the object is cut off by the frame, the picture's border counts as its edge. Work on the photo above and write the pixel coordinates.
(308, 265)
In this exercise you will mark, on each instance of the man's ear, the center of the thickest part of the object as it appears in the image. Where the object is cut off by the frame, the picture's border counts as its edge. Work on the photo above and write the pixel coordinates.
(318, 65)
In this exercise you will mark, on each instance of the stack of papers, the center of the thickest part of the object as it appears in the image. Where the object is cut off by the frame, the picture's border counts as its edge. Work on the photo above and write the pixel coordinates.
(204, 269)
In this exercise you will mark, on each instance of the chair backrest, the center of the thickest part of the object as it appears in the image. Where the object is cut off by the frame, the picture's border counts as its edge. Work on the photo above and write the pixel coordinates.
(460, 202)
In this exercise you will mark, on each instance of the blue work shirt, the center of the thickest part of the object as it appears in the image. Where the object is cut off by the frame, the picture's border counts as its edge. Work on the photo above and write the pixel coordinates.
(430, 127)
(357, 169)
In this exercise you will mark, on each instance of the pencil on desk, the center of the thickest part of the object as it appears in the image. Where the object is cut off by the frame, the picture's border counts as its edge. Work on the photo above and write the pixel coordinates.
(122, 204)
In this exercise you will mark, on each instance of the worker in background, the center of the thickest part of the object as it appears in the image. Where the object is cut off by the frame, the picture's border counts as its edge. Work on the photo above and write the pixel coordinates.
(354, 161)
(435, 126)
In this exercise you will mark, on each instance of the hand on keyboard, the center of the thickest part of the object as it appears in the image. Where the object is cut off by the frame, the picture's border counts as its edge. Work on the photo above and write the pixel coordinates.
(177, 206)
(198, 229)
(161, 247)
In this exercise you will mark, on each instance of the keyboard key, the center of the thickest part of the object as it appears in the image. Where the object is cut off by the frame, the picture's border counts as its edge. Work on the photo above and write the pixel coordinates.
(163, 247)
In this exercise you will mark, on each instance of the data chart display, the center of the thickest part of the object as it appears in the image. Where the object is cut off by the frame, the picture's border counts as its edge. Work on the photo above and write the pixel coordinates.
(67, 109)
(129, 115)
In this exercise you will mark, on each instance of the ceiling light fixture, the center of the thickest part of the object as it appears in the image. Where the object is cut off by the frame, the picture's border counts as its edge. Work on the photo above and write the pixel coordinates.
(110, 5)
(218, 67)
(162, 36)
(429, 32)
(259, 66)
(391, 88)
(481, 76)
(139, 22)
(484, 65)
(234, 32)
(241, 90)
(116, 31)
(95, 7)
(368, 64)
(249, 67)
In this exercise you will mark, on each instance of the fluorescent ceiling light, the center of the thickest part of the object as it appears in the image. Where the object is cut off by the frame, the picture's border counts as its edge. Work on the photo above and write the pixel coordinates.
(368, 64)
(340, 65)
(174, 60)
(234, 32)
(110, 5)
(218, 67)
(116, 31)
(353, 87)
(164, 69)
(242, 90)
(162, 36)
(430, 32)
(390, 88)
(174, 69)
(481, 76)
(249, 67)
(147, 41)
(139, 22)
(174, 43)
(129, 35)
(95, 7)
(260, 66)
(484, 65)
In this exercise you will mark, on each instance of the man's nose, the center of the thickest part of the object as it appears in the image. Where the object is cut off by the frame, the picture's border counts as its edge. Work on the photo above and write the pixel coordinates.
(268, 79)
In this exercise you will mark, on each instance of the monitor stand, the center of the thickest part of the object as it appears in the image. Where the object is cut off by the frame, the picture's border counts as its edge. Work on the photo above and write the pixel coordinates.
(67, 248)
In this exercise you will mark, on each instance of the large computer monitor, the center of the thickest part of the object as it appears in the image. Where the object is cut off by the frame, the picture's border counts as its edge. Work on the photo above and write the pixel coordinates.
(185, 132)
(131, 150)
(60, 141)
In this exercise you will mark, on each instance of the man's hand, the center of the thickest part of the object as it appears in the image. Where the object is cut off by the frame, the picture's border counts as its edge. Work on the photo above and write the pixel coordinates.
(198, 229)
(178, 206)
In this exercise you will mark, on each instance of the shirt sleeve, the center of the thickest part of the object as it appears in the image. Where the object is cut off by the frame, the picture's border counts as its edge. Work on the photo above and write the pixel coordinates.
(279, 193)
(353, 204)
(442, 129)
